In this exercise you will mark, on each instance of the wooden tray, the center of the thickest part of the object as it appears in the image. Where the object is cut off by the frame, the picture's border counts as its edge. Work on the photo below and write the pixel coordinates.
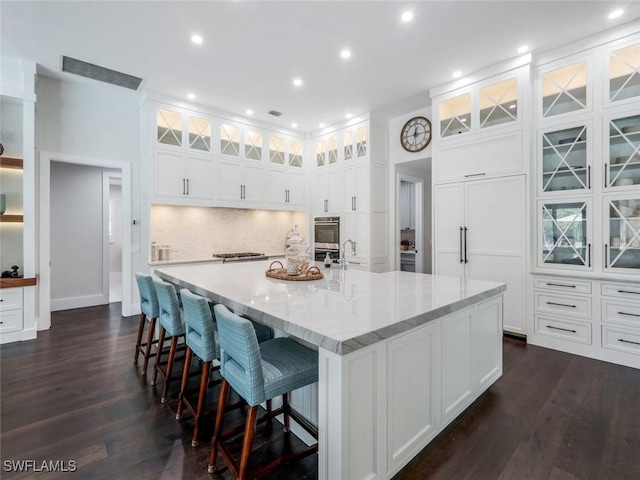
(313, 273)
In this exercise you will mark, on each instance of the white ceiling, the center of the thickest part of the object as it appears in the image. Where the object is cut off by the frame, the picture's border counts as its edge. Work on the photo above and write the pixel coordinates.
(252, 50)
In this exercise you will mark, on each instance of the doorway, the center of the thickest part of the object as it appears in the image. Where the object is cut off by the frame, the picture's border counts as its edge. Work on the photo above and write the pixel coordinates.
(45, 250)
(112, 248)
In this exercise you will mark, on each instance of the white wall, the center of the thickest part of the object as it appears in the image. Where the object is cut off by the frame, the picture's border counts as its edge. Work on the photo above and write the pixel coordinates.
(98, 121)
(76, 236)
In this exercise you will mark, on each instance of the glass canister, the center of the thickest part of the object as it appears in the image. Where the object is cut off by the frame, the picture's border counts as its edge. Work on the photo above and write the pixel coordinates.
(304, 256)
(292, 253)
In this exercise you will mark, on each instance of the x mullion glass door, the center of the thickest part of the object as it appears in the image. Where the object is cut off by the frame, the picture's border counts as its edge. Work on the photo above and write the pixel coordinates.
(565, 235)
(622, 233)
(564, 160)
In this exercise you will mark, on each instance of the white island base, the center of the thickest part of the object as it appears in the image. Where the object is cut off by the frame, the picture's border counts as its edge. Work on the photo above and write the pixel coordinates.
(382, 404)
(401, 354)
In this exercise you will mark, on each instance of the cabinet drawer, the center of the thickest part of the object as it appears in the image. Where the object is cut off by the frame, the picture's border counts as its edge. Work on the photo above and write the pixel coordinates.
(10, 299)
(565, 329)
(623, 313)
(620, 339)
(562, 285)
(563, 305)
(10, 321)
(621, 290)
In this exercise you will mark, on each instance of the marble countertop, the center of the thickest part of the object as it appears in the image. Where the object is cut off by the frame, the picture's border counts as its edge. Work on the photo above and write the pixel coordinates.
(344, 311)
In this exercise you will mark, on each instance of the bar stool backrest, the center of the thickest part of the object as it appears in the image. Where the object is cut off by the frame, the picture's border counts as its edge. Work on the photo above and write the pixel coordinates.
(240, 360)
(170, 316)
(201, 335)
(148, 297)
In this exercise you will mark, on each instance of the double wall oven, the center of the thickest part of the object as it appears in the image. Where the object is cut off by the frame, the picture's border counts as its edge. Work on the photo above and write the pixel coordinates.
(326, 236)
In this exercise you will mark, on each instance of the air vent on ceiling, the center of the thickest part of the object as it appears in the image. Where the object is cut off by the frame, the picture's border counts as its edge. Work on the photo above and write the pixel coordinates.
(99, 73)
(275, 113)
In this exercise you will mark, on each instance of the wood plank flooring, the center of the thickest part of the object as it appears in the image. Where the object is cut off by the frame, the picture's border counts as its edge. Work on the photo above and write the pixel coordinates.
(74, 394)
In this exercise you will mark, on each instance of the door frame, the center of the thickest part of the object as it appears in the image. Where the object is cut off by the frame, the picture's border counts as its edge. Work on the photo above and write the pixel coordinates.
(418, 198)
(44, 279)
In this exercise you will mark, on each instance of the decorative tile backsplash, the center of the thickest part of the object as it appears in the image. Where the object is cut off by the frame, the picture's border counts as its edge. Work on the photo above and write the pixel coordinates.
(196, 233)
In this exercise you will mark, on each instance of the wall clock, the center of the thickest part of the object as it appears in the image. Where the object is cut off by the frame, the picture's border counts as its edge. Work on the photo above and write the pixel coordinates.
(416, 134)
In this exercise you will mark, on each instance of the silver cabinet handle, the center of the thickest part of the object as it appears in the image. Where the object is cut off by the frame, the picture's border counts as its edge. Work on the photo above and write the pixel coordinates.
(355, 203)
(628, 341)
(184, 187)
(461, 259)
(326, 205)
(466, 260)
(589, 177)
(629, 314)
(605, 175)
(560, 285)
(627, 291)
(187, 186)
(475, 175)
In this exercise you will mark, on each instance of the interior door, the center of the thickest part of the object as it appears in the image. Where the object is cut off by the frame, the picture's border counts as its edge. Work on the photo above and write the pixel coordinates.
(447, 222)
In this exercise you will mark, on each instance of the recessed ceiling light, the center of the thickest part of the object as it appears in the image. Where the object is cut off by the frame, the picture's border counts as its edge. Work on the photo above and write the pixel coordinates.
(348, 115)
(345, 53)
(457, 74)
(616, 14)
(297, 82)
(407, 16)
(191, 96)
(322, 125)
(523, 49)
(294, 125)
(197, 39)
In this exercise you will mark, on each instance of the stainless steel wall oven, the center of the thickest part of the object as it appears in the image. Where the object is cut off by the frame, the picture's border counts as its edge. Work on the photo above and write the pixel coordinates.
(326, 234)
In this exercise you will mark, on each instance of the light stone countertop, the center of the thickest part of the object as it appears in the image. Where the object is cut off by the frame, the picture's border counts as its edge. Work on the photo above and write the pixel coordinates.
(344, 311)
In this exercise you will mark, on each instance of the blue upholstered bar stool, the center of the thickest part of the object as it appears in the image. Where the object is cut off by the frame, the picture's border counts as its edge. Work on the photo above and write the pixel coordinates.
(258, 372)
(202, 340)
(171, 324)
(150, 310)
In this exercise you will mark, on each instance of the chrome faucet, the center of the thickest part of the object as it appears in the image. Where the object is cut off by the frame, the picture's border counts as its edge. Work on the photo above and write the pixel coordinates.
(353, 251)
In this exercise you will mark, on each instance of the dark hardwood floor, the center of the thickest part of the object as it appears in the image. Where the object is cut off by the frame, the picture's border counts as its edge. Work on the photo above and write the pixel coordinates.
(74, 395)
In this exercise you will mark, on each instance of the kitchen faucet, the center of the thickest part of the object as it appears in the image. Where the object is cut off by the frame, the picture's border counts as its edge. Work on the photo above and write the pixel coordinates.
(353, 251)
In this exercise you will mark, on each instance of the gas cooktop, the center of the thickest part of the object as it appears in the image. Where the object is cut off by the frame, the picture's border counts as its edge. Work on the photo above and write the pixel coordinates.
(238, 255)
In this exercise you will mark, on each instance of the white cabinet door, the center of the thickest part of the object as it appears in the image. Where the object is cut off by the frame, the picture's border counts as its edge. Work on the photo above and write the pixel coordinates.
(448, 225)
(295, 188)
(327, 192)
(230, 180)
(458, 375)
(489, 343)
(170, 174)
(253, 182)
(356, 188)
(200, 179)
(276, 186)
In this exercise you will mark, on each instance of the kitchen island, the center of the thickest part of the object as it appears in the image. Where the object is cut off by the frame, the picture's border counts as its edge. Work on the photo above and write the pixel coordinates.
(401, 354)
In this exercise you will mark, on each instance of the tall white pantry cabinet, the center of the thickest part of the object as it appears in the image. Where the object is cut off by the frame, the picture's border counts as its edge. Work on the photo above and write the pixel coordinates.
(586, 176)
(480, 158)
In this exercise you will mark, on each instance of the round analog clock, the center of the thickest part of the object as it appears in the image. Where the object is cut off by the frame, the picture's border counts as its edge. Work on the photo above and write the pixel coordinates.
(416, 134)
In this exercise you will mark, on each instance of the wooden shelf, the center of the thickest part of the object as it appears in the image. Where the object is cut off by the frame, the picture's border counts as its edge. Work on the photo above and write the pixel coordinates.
(17, 282)
(8, 162)
(11, 219)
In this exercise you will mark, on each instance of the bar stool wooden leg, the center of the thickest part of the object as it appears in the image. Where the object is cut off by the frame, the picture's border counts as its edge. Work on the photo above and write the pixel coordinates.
(247, 441)
(152, 329)
(167, 380)
(143, 318)
(285, 411)
(183, 385)
(158, 354)
(217, 430)
(204, 383)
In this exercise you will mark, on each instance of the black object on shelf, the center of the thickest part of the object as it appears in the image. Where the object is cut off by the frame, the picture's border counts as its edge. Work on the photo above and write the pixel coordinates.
(13, 273)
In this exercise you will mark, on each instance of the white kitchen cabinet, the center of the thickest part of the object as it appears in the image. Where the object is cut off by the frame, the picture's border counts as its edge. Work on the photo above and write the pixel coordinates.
(285, 188)
(327, 192)
(407, 206)
(178, 128)
(183, 176)
(240, 182)
(11, 303)
(565, 88)
(480, 233)
(623, 79)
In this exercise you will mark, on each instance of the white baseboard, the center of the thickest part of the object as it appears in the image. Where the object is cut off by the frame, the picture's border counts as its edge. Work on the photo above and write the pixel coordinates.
(77, 302)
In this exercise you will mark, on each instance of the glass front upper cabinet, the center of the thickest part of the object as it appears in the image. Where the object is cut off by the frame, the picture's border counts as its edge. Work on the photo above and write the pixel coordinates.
(564, 90)
(200, 134)
(332, 149)
(321, 158)
(361, 142)
(622, 249)
(564, 160)
(276, 150)
(565, 234)
(499, 103)
(229, 140)
(623, 169)
(169, 127)
(296, 149)
(253, 145)
(455, 115)
(624, 73)
(348, 145)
